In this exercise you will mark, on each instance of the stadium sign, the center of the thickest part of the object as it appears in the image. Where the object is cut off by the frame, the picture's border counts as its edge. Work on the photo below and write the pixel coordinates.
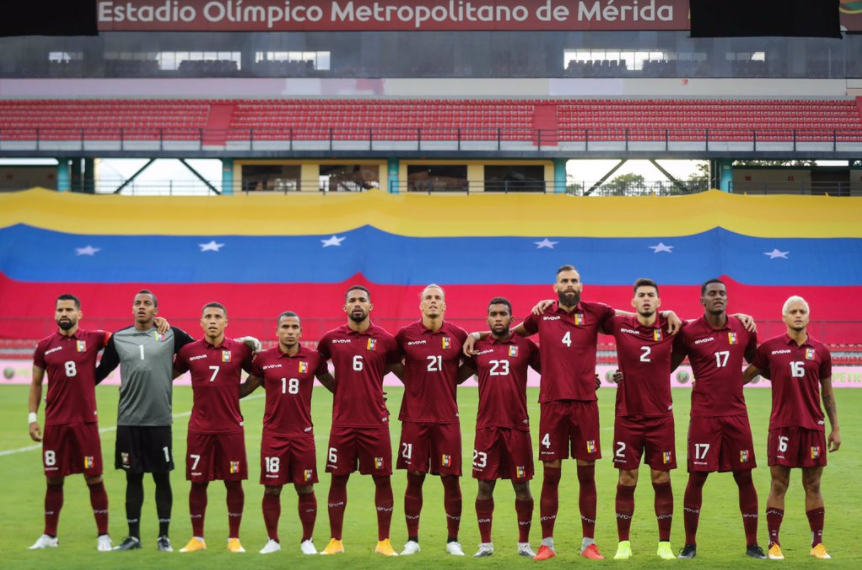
(405, 15)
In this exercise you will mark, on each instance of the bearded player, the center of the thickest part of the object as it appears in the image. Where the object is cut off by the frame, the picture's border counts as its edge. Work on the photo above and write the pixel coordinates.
(71, 442)
(430, 424)
(800, 369)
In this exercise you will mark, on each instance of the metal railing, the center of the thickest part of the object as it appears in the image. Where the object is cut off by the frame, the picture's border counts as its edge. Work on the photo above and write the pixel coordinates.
(289, 138)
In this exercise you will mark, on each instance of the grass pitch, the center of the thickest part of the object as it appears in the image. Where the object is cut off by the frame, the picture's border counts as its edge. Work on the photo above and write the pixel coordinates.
(720, 538)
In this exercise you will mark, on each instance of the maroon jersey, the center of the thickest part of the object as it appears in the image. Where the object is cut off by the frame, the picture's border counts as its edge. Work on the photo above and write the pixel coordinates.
(567, 343)
(70, 363)
(644, 354)
(502, 370)
(288, 381)
(431, 362)
(360, 361)
(717, 358)
(796, 372)
(216, 373)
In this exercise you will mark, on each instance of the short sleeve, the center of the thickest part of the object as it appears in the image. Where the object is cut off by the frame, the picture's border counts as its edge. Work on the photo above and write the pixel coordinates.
(322, 368)
(181, 338)
(181, 365)
(608, 325)
(256, 369)
(394, 356)
(247, 358)
(761, 360)
(535, 357)
(752, 341)
(460, 334)
(604, 312)
(531, 323)
(826, 365)
(39, 356)
(104, 337)
(323, 347)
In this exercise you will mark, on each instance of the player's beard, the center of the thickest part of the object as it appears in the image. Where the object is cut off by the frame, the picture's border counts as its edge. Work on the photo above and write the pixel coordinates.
(358, 317)
(66, 324)
(647, 314)
(569, 299)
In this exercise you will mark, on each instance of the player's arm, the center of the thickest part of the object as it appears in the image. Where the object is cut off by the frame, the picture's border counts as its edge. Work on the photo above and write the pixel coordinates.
(396, 368)
(181, 338)
(674, 323)
(35, 398)
(747, 322)
(162, 325)
(327, 380)
(465, 371)
(750, 373)
(833, 440)
(109, 362)
(251, 384)
(251, 342)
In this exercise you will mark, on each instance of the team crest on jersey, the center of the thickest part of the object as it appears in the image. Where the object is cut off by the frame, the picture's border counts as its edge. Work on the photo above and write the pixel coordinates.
(303, 367)
(88, 461)
(446, 461)
(667, 457)
(124, 457)
(378, 463)
(81, 346)
(307, 474)
(225, 356)
(591, 446)
(810, 354)
(520, 472)
(656, 335)
(731, 338)
(158, 336)
(234, 466)
(372, 342)
(579, 318)
(815, 452)
(743, 456)
(447, 343)
(513, 351)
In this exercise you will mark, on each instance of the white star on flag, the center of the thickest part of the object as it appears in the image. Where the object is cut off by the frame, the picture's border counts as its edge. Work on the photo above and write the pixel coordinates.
(661, 248)
(776, 253)
(211, 246)
(545, 243)
(333, 241)
(89, 250)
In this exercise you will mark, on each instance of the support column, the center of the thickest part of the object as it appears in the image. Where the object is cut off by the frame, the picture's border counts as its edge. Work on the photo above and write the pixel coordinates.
(227, 176)
(721, 174)
(77, 179)
(392, 167)
(560, 175)
(64, 175)
(89, 177)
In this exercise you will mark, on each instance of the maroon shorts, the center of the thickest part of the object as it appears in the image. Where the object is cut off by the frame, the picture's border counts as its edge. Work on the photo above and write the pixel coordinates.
(368, 449)
(652, 437)
(68, 449)
(566, 424)
(720, 443)
(502, 453)
(287, 459)
(216, 456)
(796, 447)
(430, 448)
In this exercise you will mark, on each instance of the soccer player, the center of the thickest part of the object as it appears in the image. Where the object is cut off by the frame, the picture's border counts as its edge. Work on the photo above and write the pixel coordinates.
(287, 452)
(216, 442)
(644, 414)
(719, 435)
(502, 449)
(71, 442)
(145, 355)
(430, 425)
(800, 368)
(361, 355)
(568, 334)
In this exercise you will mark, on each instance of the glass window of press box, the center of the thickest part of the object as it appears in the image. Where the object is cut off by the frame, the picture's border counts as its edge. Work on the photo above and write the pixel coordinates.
(429, 54)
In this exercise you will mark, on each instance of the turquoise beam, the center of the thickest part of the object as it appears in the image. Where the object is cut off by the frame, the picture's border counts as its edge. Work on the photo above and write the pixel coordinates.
(227, 176)
(393, 167)
(560, 175)
(64, 175)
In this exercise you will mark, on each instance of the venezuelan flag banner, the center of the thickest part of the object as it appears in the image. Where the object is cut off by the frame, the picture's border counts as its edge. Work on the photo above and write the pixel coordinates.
(261, 255)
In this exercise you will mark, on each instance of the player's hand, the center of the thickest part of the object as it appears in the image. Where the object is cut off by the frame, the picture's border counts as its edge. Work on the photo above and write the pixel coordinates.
(250, 342)
(598, 382)
(385, 397)
(541, 306)
(747, 321)
(35, 432)
(674, 324)
(834, 440)
(162, 325)
(469, 346)
(617, 377)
